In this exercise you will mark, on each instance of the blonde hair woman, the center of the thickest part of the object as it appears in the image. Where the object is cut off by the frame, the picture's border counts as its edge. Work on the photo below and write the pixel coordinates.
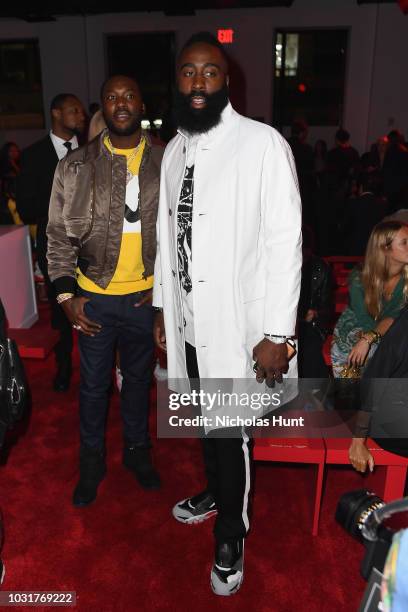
(377, 293)
(96, 125)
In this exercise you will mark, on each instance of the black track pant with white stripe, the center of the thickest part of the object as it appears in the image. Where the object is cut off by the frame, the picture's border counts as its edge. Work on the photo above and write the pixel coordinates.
(227, 463)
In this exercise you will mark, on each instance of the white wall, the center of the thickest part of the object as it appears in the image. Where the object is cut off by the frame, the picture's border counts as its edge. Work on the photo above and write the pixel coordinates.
(73, 56)
(253, 49)
(63, 63)
(389, 100)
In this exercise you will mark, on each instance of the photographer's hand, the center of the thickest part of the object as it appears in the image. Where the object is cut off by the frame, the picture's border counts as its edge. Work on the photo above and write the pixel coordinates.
(360, 456)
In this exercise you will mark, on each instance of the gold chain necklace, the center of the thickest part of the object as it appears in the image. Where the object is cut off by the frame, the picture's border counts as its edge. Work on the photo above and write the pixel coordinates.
(129, 159)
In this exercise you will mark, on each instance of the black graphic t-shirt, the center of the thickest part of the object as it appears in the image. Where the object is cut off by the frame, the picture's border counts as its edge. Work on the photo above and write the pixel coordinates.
(184, 240)
(184, 224)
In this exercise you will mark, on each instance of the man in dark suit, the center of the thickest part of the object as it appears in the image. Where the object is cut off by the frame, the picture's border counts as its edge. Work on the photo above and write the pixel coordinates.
(361, 214)
(38, 163)
(343, 159)
(304, 160)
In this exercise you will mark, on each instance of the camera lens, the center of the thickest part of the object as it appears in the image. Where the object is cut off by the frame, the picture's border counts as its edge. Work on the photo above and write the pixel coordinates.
(354, 508)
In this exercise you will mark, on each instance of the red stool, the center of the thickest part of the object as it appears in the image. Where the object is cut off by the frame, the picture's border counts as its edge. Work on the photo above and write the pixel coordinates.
(296, 450)
(326, 350)
(395, 472)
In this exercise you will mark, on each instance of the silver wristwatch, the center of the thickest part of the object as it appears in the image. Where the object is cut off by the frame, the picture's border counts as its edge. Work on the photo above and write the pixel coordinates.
(276, 339)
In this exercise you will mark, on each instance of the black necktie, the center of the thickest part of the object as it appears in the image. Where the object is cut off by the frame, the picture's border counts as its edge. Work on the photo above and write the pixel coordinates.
(68, 145)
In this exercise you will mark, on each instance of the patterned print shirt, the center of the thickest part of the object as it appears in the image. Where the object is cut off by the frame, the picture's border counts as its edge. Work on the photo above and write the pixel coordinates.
(184, 240)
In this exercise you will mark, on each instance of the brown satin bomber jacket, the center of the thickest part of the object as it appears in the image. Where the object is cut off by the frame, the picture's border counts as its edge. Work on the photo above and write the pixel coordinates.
(87, 208)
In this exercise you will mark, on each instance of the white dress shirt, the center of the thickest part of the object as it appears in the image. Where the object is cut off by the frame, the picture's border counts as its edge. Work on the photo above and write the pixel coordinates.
(60, 148)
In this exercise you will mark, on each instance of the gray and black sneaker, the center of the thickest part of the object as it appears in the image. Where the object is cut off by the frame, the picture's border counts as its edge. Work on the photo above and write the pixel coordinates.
(227, 572)
(195, 509)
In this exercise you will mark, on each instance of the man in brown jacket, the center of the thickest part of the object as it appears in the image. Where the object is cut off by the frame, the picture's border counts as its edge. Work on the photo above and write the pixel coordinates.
(101, 252)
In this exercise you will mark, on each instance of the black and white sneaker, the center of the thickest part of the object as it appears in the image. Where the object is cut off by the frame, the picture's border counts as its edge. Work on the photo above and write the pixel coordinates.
(227, 572)
(195, 509)
(2, 571)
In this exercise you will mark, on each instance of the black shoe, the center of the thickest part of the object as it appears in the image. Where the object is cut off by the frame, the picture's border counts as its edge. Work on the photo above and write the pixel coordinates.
(195, 509)
(92, 469)
(62, 378)
(138, 460)
(227, 572)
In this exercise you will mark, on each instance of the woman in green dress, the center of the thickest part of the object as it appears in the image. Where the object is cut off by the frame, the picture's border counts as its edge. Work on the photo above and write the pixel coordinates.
(377, 292)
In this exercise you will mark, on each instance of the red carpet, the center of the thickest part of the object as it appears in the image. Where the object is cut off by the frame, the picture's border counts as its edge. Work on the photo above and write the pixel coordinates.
(39, 340)
(125, 552)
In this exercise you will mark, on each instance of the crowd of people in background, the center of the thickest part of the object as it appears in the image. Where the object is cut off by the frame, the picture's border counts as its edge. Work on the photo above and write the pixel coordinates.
(344, 194)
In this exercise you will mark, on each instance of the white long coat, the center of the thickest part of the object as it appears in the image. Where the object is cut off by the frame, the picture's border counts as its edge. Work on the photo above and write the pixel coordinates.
(246, 247)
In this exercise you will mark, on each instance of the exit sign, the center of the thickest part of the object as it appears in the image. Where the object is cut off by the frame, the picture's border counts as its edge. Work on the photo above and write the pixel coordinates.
(226, 37)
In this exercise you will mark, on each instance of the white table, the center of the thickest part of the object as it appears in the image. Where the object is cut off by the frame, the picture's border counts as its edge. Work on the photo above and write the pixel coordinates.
(17, 290)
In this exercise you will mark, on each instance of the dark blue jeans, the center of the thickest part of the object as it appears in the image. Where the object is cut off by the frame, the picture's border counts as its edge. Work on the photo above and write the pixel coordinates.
(130, 330)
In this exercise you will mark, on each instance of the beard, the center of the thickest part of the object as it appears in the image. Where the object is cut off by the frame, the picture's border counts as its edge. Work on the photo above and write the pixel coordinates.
(76, 130)
(199, 120)
(126, 130)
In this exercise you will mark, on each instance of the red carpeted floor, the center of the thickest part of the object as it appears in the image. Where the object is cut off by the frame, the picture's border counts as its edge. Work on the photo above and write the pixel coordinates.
(125, 552)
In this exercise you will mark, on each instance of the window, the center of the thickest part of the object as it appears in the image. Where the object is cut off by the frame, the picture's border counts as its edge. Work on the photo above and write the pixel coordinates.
(21, 102)
(290, 54)
(309, 76)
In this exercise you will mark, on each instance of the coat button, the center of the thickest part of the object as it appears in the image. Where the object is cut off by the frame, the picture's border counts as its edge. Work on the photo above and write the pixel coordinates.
(170, 212)
(173, 273)
(179, 329)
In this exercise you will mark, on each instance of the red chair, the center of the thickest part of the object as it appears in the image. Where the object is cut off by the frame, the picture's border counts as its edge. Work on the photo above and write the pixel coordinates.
(341, 299)
(394, 474)
(338, 261)
(326, 350)
(296, 450)
(341, 266)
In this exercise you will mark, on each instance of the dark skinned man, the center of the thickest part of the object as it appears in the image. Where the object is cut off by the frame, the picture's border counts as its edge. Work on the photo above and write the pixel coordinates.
(227, 276)
(101, 251)
(38, 163)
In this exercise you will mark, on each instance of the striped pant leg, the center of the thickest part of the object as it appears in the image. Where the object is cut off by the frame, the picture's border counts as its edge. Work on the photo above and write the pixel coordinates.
(233, 485)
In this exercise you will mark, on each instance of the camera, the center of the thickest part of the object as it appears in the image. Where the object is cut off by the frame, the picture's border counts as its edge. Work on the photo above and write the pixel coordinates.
(361, 513)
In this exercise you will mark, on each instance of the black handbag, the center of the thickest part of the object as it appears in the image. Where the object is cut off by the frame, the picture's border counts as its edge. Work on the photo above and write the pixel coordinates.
(17, 382)
(4, 363)
(13, 382)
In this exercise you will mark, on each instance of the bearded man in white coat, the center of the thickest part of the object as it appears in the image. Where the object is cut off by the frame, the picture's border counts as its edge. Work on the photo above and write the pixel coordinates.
(227, 274)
